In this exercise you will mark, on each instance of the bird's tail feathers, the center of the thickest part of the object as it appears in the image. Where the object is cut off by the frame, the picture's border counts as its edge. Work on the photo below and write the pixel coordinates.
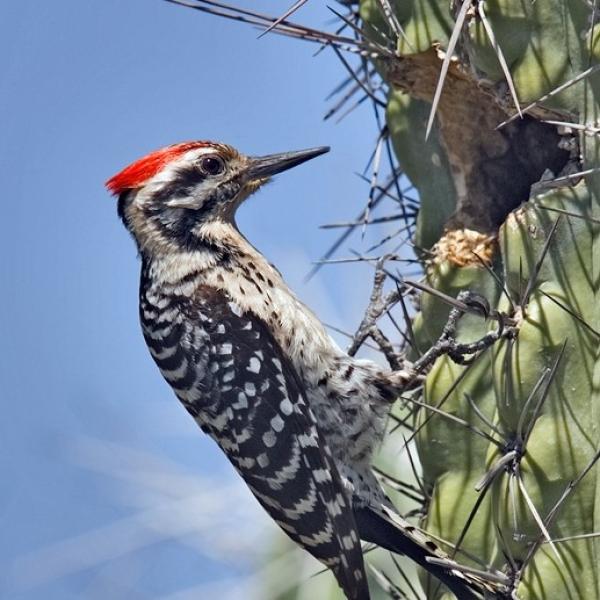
(384, 527)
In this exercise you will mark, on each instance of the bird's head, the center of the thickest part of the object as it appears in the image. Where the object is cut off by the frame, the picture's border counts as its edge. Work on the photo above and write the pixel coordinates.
(170, 198)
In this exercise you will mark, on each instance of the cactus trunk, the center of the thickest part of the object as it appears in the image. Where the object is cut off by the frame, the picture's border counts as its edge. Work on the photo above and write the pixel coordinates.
(505, 217)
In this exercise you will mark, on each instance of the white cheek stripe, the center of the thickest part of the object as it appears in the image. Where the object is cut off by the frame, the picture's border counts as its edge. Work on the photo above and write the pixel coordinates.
(169, 172)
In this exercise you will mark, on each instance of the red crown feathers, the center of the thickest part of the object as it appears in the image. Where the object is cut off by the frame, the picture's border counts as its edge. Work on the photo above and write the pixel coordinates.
(140, 171)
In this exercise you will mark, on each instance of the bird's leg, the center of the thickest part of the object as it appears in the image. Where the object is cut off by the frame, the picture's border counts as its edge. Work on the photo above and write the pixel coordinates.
(464, 353)
(379, 304)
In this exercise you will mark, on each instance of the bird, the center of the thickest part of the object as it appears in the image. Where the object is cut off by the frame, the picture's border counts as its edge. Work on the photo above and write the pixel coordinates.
(297, 417)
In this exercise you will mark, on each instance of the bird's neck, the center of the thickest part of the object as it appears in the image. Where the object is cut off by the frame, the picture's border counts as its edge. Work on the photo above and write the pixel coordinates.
(228, 262)
(218, 249)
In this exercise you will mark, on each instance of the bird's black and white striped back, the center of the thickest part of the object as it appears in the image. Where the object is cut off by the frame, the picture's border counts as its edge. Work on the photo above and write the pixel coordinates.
(231, 375)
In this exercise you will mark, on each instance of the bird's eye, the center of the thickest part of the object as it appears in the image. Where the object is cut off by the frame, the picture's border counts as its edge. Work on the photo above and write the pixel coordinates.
(212, 165)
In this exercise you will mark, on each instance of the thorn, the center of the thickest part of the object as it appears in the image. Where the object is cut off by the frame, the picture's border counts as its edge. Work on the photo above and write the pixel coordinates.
(493, 471)
(582, 536)
(483, 418)
(413, 467)
(555, 91)
(376, 164)
(354, 76)
(446, 63)
(405, 577)
(538, 384)
(490, 33)
(455, 419)
(499, 282)
(538, 265)
(386, 584)
(572, 313)
(393, 23)
(537, 518)
(283, 17)
(494, 576)
(400, 486)
(568, 213)
(457, 381)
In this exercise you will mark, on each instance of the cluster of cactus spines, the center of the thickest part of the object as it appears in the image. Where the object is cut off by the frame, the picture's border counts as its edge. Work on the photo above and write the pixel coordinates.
(493, 108)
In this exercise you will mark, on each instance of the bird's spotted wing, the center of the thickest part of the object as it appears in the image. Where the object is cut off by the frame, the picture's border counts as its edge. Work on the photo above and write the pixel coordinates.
(246, 395)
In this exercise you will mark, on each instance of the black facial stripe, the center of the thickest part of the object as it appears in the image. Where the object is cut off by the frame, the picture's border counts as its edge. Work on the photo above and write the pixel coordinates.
(185, 180)
(225, 192)
(122, 205)
(179, 224)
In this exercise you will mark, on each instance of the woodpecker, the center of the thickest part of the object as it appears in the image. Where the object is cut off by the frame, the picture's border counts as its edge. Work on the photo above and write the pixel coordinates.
(297, 417)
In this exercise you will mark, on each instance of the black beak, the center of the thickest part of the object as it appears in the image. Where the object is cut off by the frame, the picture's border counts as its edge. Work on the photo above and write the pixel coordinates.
(262, 167)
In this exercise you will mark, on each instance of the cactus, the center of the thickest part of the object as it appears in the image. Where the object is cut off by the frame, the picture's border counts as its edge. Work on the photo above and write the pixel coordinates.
(517, 470)
(492, 110)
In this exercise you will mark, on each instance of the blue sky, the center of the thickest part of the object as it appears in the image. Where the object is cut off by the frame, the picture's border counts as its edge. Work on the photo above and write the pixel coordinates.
(96, 455)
